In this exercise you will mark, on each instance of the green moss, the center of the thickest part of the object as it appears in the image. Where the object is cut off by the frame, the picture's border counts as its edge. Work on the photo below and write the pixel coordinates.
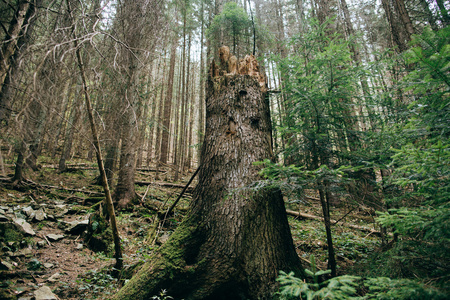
(9, 233)
(99, 236)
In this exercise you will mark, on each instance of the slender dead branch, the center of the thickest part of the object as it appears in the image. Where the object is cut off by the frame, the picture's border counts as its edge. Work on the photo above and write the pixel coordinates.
(108, 200)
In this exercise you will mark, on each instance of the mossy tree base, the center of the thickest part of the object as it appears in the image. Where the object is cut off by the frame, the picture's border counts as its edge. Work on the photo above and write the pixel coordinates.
(235, 239)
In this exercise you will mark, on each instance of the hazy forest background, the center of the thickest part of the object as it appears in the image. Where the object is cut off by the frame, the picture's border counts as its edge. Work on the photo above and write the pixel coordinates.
(359, 100)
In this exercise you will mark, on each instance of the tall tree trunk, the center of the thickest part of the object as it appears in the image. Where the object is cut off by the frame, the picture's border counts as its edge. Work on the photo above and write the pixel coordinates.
(12, 36)
(68, 140)
(404, 17)
(395, 30)
(201, 119)
(164, 154)
(235, 239)
(8, 86)
(125, 192)
(153, 121)
(159, 128)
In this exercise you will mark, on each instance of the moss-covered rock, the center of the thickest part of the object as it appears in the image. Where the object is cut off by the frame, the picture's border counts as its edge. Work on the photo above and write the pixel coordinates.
(99, 236)
(10, 233)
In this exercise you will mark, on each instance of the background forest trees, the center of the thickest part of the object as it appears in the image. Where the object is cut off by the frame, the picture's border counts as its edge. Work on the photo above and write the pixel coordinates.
(359, 97)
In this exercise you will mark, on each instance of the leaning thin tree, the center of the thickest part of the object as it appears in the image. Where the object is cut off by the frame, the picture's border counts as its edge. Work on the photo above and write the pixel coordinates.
(235, 239)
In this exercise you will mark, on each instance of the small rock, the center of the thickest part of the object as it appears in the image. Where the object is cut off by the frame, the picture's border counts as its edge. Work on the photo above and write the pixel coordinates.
(41, 244)
(44, 293)
(26, 227)
(28, 211)
(54, 277)
(3, 218)
(55, 237)
(2, 211)
(60, 210)
(77, 227)
(79, 246)
(162, 239)
(23, 252)
(48, 265)
(40, 215)
(6, 265)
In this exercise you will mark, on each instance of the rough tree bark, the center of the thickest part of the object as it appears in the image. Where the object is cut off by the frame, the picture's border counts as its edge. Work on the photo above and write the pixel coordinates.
(234, 239)
(12, 36)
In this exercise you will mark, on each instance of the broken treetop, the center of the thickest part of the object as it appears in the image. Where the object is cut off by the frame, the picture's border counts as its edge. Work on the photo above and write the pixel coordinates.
(230, 66)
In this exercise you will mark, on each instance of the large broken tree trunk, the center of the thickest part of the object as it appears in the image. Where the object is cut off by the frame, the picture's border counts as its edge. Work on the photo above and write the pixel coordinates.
(235, 239)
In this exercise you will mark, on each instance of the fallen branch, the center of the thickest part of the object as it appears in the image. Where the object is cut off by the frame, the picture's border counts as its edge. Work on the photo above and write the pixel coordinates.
(92, 193)
(312, 217)
(181, 194)
(165, 184)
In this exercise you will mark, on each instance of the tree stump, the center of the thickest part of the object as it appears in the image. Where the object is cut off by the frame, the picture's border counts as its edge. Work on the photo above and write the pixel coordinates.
(235, 239)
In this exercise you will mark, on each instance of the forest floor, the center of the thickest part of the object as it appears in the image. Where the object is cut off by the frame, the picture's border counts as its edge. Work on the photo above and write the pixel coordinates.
(50, 257)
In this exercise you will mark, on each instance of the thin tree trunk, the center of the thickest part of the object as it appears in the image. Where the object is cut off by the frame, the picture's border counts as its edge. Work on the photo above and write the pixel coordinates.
(324, 201)
(153, 121)
(68, 140)
(202, 75)
(160, 118)
(164, 154)
(108, 200)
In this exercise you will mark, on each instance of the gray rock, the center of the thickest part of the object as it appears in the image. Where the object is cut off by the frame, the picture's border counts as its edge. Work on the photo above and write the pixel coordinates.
(60, 210)
(79, 246)
(3, 218)
(40, 215)
(48, 265)
(24, 226)
(54, 277)
(76, 227)
(23, 252)
(28, 211)
(162, 239)
(44, 293)
(2, 211)
(55, 237)
(41, 244)
(6, 265)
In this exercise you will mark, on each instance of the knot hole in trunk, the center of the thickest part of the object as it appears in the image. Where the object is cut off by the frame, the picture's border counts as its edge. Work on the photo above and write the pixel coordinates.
(242, 94)
(231, 127)
(254, 122)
